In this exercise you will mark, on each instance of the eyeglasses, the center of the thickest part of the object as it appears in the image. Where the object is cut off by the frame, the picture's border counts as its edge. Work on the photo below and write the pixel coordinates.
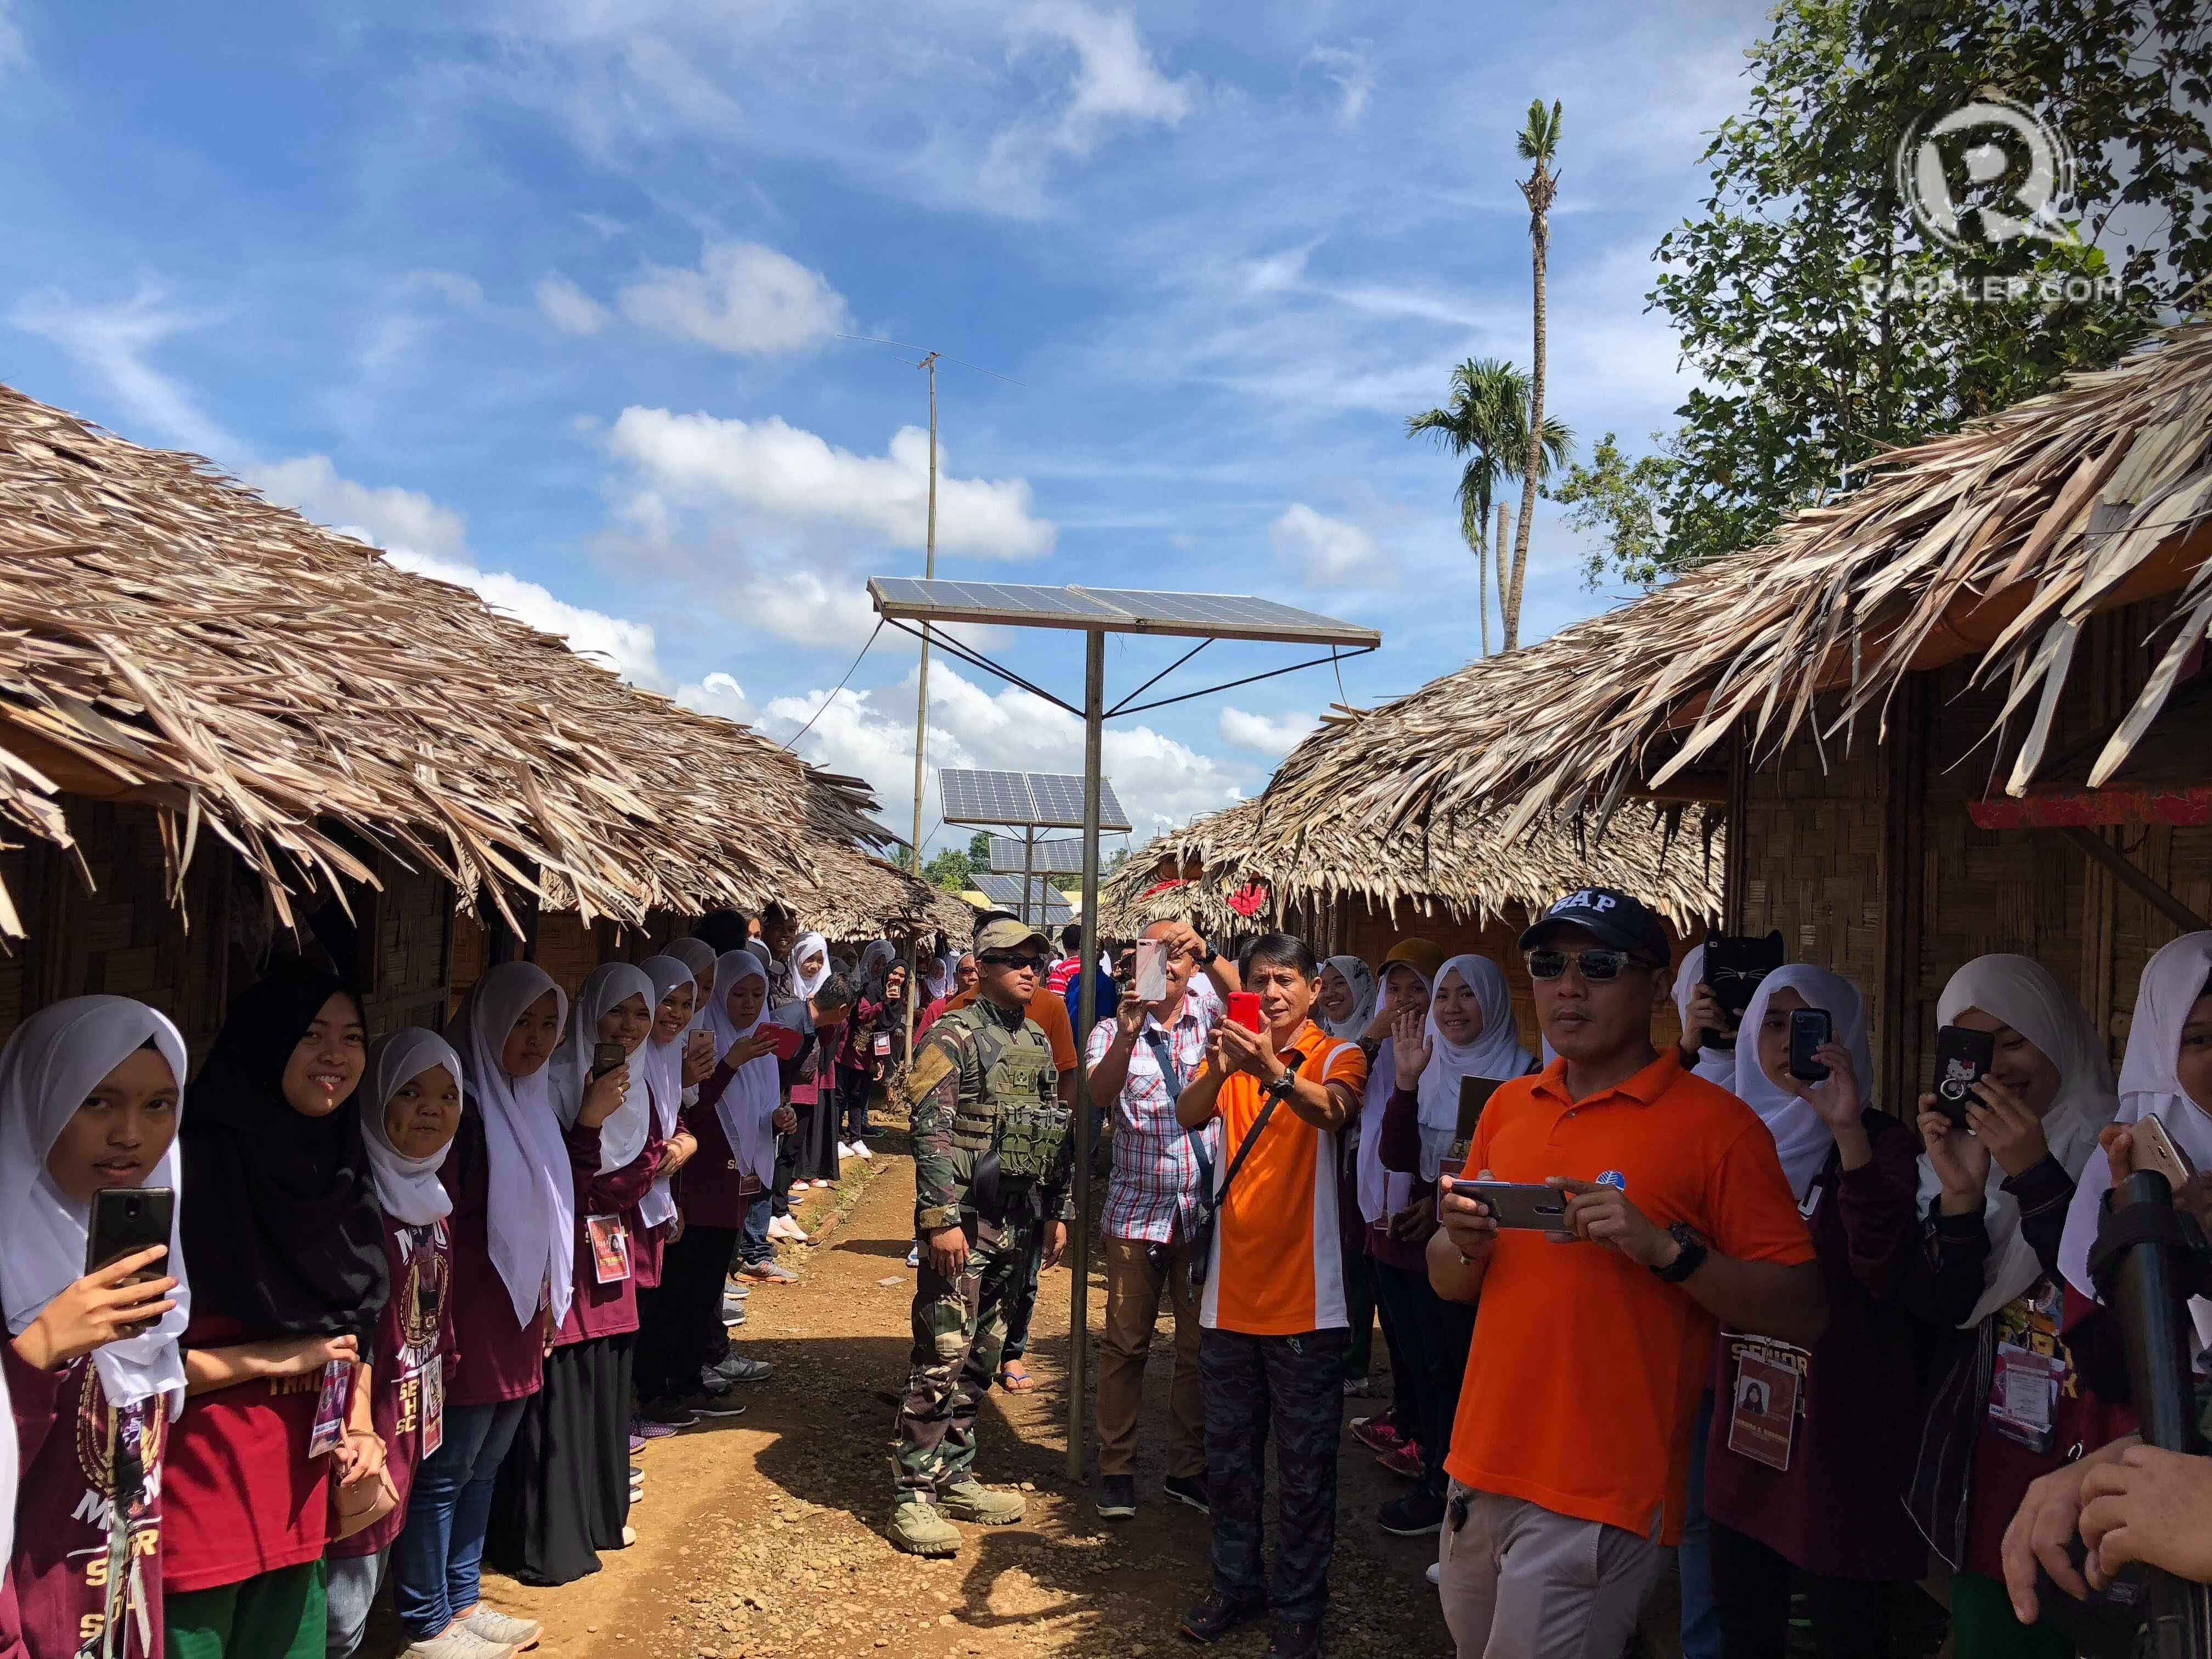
(1597, 966)
(1002, 959)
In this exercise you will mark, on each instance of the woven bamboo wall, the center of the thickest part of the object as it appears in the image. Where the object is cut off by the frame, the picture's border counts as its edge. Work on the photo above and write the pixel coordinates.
(410, 974)
(569, 949)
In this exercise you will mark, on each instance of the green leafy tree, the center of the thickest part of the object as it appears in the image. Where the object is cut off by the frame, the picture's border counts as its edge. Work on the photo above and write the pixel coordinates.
(1826, 327)
(950, 870)
(979, 850)
(1539, 144)
(1622, 502)
(1486, 421)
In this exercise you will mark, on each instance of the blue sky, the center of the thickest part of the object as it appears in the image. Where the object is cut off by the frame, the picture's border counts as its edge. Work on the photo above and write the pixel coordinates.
(544, 297)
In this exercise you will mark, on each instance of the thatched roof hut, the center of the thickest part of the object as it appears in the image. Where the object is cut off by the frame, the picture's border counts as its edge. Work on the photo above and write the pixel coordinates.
(1998, 542)
(169, 638)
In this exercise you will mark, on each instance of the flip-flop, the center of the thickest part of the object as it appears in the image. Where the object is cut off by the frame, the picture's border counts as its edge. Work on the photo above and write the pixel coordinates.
(1022, 1383)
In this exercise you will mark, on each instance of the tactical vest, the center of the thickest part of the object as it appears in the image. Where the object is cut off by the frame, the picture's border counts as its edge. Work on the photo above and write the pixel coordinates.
(1018, 1115)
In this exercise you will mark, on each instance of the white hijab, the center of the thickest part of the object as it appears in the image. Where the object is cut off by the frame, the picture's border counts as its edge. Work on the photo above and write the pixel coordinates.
(804, 984)
(1361, 978)
(1801, 1140)
(407, 1188)
(937, 973)
(52, 1063)
(2021, 992)
(1381, 1192)
(1496, 1052)
(662, 1063)
(622, 1136)
(754, 1093)
(2149, 1081)
(530, 1213)
(1714, 1064)
(699, 958)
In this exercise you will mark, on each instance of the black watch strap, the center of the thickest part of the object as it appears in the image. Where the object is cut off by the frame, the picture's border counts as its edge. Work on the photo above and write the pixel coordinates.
(1691, 1257)
(1208, 957)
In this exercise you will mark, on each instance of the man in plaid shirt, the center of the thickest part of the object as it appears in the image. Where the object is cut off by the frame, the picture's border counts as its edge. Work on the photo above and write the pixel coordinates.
(1142, 1057)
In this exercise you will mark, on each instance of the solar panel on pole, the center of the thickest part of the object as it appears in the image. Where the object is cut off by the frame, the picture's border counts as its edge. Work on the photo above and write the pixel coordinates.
(1022, 800)
(1062, 857)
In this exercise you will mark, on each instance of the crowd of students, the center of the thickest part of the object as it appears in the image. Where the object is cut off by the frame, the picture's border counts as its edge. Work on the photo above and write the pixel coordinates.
(1823, 1348)
(420, 1300)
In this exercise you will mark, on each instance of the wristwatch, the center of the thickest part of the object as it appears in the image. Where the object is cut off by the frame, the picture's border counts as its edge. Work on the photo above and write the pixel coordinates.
(1207, 956)
(1692, 1258)
(1282, 1087)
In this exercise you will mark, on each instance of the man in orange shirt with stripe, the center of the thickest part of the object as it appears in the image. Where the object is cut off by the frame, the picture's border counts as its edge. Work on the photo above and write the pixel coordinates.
(1569, 1459)
(1273, 1324)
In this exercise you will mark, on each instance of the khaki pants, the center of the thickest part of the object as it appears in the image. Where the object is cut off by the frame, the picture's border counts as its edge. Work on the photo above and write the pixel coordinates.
(1520, 1582)
(1133, 1310)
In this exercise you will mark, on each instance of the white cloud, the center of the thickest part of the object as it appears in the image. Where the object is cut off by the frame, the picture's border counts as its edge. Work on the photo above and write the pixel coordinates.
(615, 643)
(870, 734)
(1326, 551)
(114, 341)
(1354, 77)
(389, 517)
(792, 477)
(744, 298)
(449, 285)
(567, 307)
(1116, 80)
(718, 694)
(13, 54)
(1264, 734)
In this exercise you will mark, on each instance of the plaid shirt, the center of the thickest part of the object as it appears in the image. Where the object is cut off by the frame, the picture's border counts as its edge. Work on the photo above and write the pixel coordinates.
(1155, 1179)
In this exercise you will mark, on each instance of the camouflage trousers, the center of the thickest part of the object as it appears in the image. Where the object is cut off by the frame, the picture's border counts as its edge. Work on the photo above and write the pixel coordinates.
(1292, 1386)
(959, 1329)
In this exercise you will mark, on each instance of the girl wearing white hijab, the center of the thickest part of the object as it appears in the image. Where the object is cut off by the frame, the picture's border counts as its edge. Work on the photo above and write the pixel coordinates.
(1714, 1064)
(1993, 1202)
(563, 1494)
(410, 1110)
(660, 1066)
(1826, 1522)
(88, 1099)
(810, 966)
(1353, 991)
(514, 1275)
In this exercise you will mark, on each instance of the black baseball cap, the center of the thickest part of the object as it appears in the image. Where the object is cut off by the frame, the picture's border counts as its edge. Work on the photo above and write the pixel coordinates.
(1625, 923)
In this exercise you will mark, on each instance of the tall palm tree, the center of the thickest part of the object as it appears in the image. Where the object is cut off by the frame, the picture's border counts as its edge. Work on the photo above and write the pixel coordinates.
(1539, 144)
(1486, 421)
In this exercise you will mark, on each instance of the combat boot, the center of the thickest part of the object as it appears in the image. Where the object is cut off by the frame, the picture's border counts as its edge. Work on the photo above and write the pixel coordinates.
(918, 1528)
(969, 1499)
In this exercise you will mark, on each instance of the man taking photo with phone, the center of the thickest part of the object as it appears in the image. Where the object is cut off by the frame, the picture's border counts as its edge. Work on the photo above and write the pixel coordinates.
(1593, 1343)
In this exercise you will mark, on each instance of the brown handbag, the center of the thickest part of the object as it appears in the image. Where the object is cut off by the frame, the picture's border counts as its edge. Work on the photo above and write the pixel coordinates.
(362, 1505)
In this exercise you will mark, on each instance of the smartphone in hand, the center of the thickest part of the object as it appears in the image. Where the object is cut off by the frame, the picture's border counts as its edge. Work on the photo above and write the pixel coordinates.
(1963, 1058)
(1244, 1010)
(1810, 1030)
(125, 1220)
(608, 1057)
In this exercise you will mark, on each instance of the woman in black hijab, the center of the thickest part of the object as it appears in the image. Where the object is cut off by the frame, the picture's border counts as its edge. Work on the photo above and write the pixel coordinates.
(278, 1209)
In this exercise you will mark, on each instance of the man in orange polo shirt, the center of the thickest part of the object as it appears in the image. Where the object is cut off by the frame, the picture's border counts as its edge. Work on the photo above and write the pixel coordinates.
(1273, 1328)
(1592, 1346)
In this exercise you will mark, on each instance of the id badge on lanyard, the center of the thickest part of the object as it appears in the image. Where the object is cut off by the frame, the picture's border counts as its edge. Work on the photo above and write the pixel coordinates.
(610, 1248)
(330, 1408)
(1763, 1403)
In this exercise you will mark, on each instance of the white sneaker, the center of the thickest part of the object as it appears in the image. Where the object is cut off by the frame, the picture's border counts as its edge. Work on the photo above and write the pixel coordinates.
(458, 1642)
(794, 1232)
(845, 1150)
(860, 1151)
(782, 1226)
(1435, 1572)
(502, 1630)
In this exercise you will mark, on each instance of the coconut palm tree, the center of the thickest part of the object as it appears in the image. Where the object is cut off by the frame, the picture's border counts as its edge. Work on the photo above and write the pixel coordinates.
(1486, 421)
(1539, 144)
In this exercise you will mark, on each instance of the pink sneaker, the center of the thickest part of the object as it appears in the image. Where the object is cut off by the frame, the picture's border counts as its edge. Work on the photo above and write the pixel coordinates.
(1405, 1460)
(1377, 1433)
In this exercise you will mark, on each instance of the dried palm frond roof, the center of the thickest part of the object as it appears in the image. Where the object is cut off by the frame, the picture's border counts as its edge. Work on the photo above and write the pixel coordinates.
(857, 896)
(1669, 860)
(1999, 540)
(167, 636)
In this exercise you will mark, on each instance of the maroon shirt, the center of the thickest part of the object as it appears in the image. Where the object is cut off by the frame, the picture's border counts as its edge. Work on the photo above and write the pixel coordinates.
(609, 1310)
(414, 1334)
(502, 1358)
(1838, 1508)
(66, 1436)
(713, 1190)
(1400, 1149)
(240, 1496)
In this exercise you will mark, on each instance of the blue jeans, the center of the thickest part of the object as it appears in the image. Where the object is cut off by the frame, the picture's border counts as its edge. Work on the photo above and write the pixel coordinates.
(436, 1556)
(1701, 1619)
(753, 1247)
(351, 1589)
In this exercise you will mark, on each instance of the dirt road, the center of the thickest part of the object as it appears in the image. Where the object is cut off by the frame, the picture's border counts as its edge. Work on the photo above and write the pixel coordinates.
(763, 1535)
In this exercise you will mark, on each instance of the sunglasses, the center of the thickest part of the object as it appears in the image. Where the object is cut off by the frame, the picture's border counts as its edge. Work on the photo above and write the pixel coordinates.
(1596, 966)
(1002, 959)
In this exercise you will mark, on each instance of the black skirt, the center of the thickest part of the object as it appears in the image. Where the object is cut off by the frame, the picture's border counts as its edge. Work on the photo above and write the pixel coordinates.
(563, 1491)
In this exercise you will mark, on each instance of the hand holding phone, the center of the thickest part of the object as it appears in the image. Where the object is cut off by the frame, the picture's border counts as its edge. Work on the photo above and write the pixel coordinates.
(1734, 965)
(1810, 1030)
(1963, 1059)
(1152, 975)
(1244, 1010)
(606, 1056)
(110, 1304)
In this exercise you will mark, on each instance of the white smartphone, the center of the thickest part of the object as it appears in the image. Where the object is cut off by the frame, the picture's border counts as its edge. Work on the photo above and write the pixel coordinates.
(1151, 970)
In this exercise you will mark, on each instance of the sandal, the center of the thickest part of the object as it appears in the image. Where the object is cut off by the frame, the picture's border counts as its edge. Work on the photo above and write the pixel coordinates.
(1014, 1382)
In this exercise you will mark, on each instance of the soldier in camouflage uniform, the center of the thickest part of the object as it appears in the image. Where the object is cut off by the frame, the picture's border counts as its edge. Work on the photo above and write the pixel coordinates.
(993, 1158)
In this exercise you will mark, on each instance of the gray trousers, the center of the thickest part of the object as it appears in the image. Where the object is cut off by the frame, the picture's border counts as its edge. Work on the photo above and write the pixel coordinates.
(1520, 1582)
(352, 1582)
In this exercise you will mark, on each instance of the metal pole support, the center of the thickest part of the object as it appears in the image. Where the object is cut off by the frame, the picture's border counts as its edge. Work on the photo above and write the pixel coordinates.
(1086, 1002)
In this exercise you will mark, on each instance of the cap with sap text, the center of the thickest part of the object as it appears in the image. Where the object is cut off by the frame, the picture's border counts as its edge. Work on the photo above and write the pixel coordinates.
(1006, 933)
(1625, 923)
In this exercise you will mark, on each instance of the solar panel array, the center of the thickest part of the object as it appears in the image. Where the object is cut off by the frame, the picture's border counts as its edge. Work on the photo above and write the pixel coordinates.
(1115, 610)
(1062, 857)
(1047, 906)
(1044, 800)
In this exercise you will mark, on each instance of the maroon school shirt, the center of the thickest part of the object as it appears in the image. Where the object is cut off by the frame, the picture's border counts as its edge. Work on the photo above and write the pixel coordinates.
(413, 1355)
(1400, 1149)
(65, 1437)
(713, 1191)
(609, 1310)
(502, 1358)
(1839, 1508)
(241, 1496)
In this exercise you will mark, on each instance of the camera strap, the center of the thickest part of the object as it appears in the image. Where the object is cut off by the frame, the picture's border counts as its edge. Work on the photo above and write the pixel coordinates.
(1171, 1074)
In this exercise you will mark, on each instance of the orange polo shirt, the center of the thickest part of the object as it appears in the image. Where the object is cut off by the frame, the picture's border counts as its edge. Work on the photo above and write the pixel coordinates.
(1583, 1379)
(1050, 1013)
(1277, 1263)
